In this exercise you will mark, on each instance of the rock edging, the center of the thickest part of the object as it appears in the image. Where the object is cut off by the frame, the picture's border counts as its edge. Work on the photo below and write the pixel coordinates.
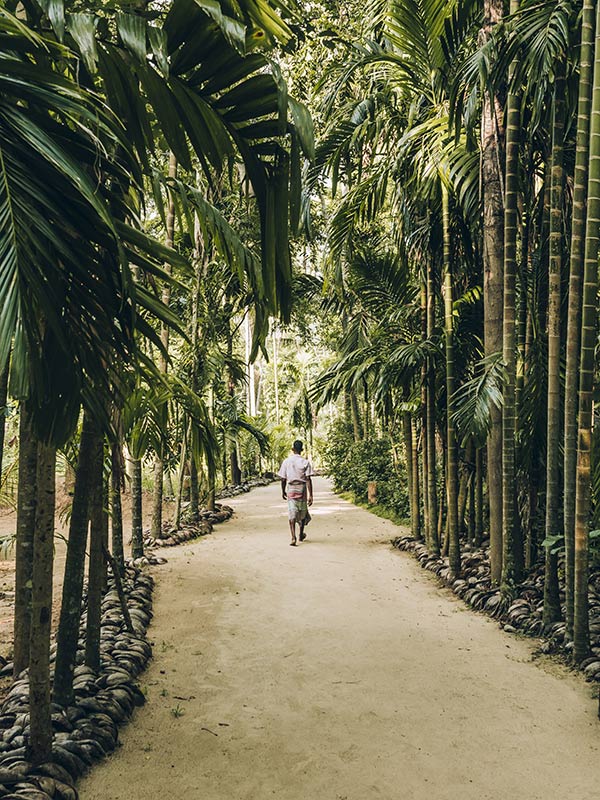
(88, 730)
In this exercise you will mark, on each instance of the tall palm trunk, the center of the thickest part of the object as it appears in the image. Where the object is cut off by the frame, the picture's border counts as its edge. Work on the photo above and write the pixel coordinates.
(478, 496)
(451, 445)
(118, 550)
(512, 550)
(434, 539)
(575, 299)
(425, 471)
(159, 464)
(493, 265)
(470, 458)
(26, 501)
(4, 375)
(70, 609)
(551, 611)
(96, 560)
(137, 532)
(416, 486)
(589, 313)
(182, 467)
(40, 737)
(412, 470)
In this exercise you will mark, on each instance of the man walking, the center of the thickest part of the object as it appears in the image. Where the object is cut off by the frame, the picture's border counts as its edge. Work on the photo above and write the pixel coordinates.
(297, 489)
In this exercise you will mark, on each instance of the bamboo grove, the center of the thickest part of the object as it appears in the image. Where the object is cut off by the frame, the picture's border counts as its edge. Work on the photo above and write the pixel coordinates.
(150, 163)
(460, 145)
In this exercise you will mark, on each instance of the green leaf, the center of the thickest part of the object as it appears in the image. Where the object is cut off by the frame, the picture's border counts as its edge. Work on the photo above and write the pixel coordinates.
(132, 30)
(82, 28)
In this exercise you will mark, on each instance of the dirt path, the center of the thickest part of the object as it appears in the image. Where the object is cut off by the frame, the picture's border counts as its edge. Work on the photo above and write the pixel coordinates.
(339, 670)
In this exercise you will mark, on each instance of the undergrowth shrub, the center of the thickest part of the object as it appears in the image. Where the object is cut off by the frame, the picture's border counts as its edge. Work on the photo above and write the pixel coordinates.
(352, 465)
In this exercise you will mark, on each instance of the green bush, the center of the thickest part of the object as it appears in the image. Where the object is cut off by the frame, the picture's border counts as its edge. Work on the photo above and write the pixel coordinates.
(352, 465)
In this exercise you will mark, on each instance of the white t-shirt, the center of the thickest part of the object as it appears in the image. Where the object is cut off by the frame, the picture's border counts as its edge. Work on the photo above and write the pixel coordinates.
(296, 468)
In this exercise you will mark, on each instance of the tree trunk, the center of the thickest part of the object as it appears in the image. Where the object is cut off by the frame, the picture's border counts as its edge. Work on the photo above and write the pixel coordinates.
(96, 561)
(493, 261)
(159, 466)
(434, 539)
(356, 423)
(416, 501)
(194, 491)
(451, 445)
(118, 549)
(40, 737)
(236, 473)
(512, 549)
(157, 498)
(4, 375)
(553, 526)
(26, 502)
(182, 463)
(137, 531)
(575, 298)
(589, 315)
(470, 457)
(478, 496)
(70, 610)
(425, 471)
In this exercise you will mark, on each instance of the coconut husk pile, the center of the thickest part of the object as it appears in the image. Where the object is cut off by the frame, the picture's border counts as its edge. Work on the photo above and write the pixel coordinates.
(521, 610)
(246, 486)
(87, 730)
(187, 530)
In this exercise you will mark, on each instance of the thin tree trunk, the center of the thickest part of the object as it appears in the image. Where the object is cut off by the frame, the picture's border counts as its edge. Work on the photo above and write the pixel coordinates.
(159, 464)
(470, 457)
(40, 737)
(96, 561)
(553, 527)
(4, 375)
(26, 502)
(434, 539)
(118, 549)
(356, 423)
(478, 496)
(493, 265)
(522, 314)
(276, 376)
(411, 473)
(416, 500)
(425, 471)
(182, 463)
(194, 491)
(463, 497)
(70, 609)
(451, 445)
(589, 315)
(169, 484)
(575, 299)
(137, 531)
(110, 561)
(512, 550)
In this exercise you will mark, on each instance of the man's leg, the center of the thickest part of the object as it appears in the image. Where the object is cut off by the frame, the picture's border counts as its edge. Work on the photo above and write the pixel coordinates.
(302, 534)
(293, 531)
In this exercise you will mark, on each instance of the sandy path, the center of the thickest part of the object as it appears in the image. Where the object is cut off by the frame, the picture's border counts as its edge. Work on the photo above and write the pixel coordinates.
(339, 670)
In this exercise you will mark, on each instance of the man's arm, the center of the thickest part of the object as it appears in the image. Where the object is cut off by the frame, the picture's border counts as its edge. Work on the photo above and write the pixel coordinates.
(283, 485)
(310, 491)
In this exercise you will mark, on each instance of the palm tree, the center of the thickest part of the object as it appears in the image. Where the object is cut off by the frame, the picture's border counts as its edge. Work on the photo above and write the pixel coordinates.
(586, 374)
(575, 299)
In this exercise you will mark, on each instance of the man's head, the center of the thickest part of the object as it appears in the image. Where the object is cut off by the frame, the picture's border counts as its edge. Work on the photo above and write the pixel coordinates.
(297, 446)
